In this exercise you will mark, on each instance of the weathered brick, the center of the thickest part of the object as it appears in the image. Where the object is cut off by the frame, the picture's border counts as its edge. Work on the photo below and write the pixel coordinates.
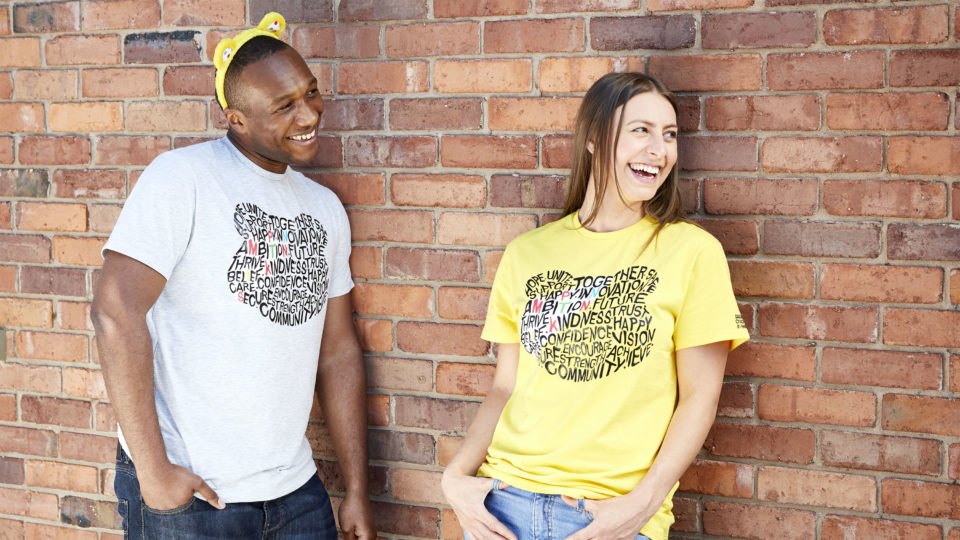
(85, 117)
(464, 379)
(120, 82)
(955, 286)
(925, 24)
(106, 420)
(736, 400)
(816, 405)
(375, 335)
(89, 183)
(30, 378)
(353, 188)
(432, 413)
(24, 183)
(925, 67)
(385, 151)
(888, 111)
(55, 411)
(756, 30)
(74, 315)
(738, 237)
(649, 32)
(553, 114)
(400, 374)
(699, 73)
(772, 279)
(6, 150)
(90, 513)
(352, 114)
(832, 323)
(460, 303)
(480, 8)
(447, 190)
(760, 196)
(400, 446)
(482, 229)
(180, 46)
(65, 476)
(22, 117)
(822, 154)
(102, 217)
(576, 6)
(11, 469)
(953, 470)
(923, 242)
(685, 515)
(917, 498)
(557, 151)
(864, 527)
(816, 488)
(369, 10)
(416, 486)
(46, 18)
(891, 198)
(54, 151)
(921, 327)
(757, 522)
(294, 11)
(188, 80)
(78, 251)
(46, 84)
(394, 300)
(52, 346)
(533, 36)
(488, 151)
(6, 84)
(771, 360)
(924, 155)
(880, 453)
(391, 225)
(82, 49)
(125, 150)
(718, 478)
(440, 338)
(577, 74)
(166, 116)
(4, 22)
(798, 112)
(703, 153)
(406, 519)
(53, 281)
(31, 441)
(482, 76)
(382, 77)
(827, 71)
(881, 283)
(193, 13)
(20, 52)
(84, 383)
(436, 113)
(24, 248)
(338, 42)
(955, 197)
(432, 39)
(120, 14)
(20, 502)
(761, 442)
(528, 191)
(821, 239)
(432, 264)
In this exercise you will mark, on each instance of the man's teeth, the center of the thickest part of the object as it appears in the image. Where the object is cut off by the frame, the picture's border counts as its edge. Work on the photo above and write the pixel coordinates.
(649, 169)
(305, 137)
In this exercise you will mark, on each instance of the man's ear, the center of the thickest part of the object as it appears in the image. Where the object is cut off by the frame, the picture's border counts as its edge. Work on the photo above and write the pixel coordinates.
(236, 120)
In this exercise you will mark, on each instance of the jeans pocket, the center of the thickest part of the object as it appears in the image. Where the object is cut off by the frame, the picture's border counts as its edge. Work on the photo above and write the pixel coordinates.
(172, 511)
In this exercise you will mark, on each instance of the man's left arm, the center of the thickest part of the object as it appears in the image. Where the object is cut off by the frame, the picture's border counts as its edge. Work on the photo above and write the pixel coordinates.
(342, 391)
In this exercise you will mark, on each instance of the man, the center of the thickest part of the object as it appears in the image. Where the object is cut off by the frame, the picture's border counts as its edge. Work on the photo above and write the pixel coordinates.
(223, 299)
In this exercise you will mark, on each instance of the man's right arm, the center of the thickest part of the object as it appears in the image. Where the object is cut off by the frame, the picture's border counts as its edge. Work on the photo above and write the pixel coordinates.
(126, 290)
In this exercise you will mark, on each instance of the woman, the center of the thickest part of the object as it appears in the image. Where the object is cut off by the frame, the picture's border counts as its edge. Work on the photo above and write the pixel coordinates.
(613, 325)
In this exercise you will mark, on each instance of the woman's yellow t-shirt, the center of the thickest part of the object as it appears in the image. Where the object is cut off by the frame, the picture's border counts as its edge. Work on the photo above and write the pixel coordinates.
(599, 322)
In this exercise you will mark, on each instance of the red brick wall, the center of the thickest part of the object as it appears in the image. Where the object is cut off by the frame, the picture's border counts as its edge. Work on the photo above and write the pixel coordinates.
(821, 147)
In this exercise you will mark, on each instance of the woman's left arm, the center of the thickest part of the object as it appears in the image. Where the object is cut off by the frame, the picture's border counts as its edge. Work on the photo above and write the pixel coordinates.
(699, 379)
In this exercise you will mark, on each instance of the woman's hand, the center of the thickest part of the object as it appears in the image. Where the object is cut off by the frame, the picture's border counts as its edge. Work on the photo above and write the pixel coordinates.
(466, 495)
(616, 518)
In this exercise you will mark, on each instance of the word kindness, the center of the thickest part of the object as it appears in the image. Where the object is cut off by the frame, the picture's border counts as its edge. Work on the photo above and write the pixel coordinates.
(280, 268)
(586, 328)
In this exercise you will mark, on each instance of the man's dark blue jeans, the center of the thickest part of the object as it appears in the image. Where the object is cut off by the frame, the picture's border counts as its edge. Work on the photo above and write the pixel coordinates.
(304, 514)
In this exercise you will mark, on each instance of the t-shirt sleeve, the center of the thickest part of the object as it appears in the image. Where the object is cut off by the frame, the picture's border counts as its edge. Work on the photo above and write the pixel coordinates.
(157, 219)
(501, 325)
(341, 280)
(709, 311)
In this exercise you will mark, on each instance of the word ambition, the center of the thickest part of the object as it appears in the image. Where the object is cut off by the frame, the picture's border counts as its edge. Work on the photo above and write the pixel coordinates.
(281, 268)
(585, 328)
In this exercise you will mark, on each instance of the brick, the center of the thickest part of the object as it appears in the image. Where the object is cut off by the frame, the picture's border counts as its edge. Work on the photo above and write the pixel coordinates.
(446, 190)
(760, 196)
(8, 413)
(822, 154)
(954, 465)
(78, 251)
(482, 76)
(46, 84)
(532, 114)
(527, 191)
(880, 453)
(74, 315)
(83, 383)
(924, 242)
(11, 469)
(863, 527)
(106, 421)
(488, 151)
(166, 116)
(21, 312)
(757, 522)
(399, 374)
(338, 42)
(46, 18)
(447, 447)
(24, 183)
(888, 112)
(25, 248)
(770, 360)
(460, 303)
(376, 151)
(924, 155)
(64, 476)
(925, 67)
(103, 217)
(533, 36)
(649, 32)
(917, 498)
(85, 117)
(718, 478)
(4, 22)
(825, 71)
(28, 503)
(6, 84)
(816, 488)
(53, 281)
(738, 237)
(329, 154)
(464, 379)
(701, 153)
(816, 405)
(772, 279)
(821, 239)
(876, 283)
(955, 286)
(736, 400)
(955, 197)
(431, 413)
(931, 328)
(731, 72)
(120, 14)
(382, 77)
(22, 117)
(6, 150)
(369, 10)
(577, 74)
(405, 519)
(354, 188)
(181, 46)
(799, 112)
(923, 24)
(758, 30)
(294, 11)
(30, 378)
(188, 80)
(394, 300)
(440, 338)
(832, 323)
(31, 441)
(432, 39)
(391, 225)
(70, 50)
(90, 183)
(436, 113)
(891, 198)
(124, 150)
(20, 52)
(432, 264)
(881, 368)
(89, 513)
(482, 229)
(400, 446)
(365, 262)
(55, 411)
(685, 514)
(352, 114)
(54, 151)
(416, 486)
(194, 13)
(444, 9)
(52, 346)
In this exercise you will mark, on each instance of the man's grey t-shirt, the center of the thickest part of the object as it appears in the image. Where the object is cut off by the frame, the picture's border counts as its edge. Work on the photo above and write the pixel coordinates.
(250, 258)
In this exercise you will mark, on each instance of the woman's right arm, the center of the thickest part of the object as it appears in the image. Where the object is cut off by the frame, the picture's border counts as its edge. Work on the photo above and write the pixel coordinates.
(463, 490)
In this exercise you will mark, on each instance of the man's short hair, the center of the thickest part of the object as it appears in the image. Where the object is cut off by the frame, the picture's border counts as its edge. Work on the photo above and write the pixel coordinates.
(256, 49)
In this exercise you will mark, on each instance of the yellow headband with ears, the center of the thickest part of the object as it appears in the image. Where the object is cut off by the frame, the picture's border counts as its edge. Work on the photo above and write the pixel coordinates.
(272, 25)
